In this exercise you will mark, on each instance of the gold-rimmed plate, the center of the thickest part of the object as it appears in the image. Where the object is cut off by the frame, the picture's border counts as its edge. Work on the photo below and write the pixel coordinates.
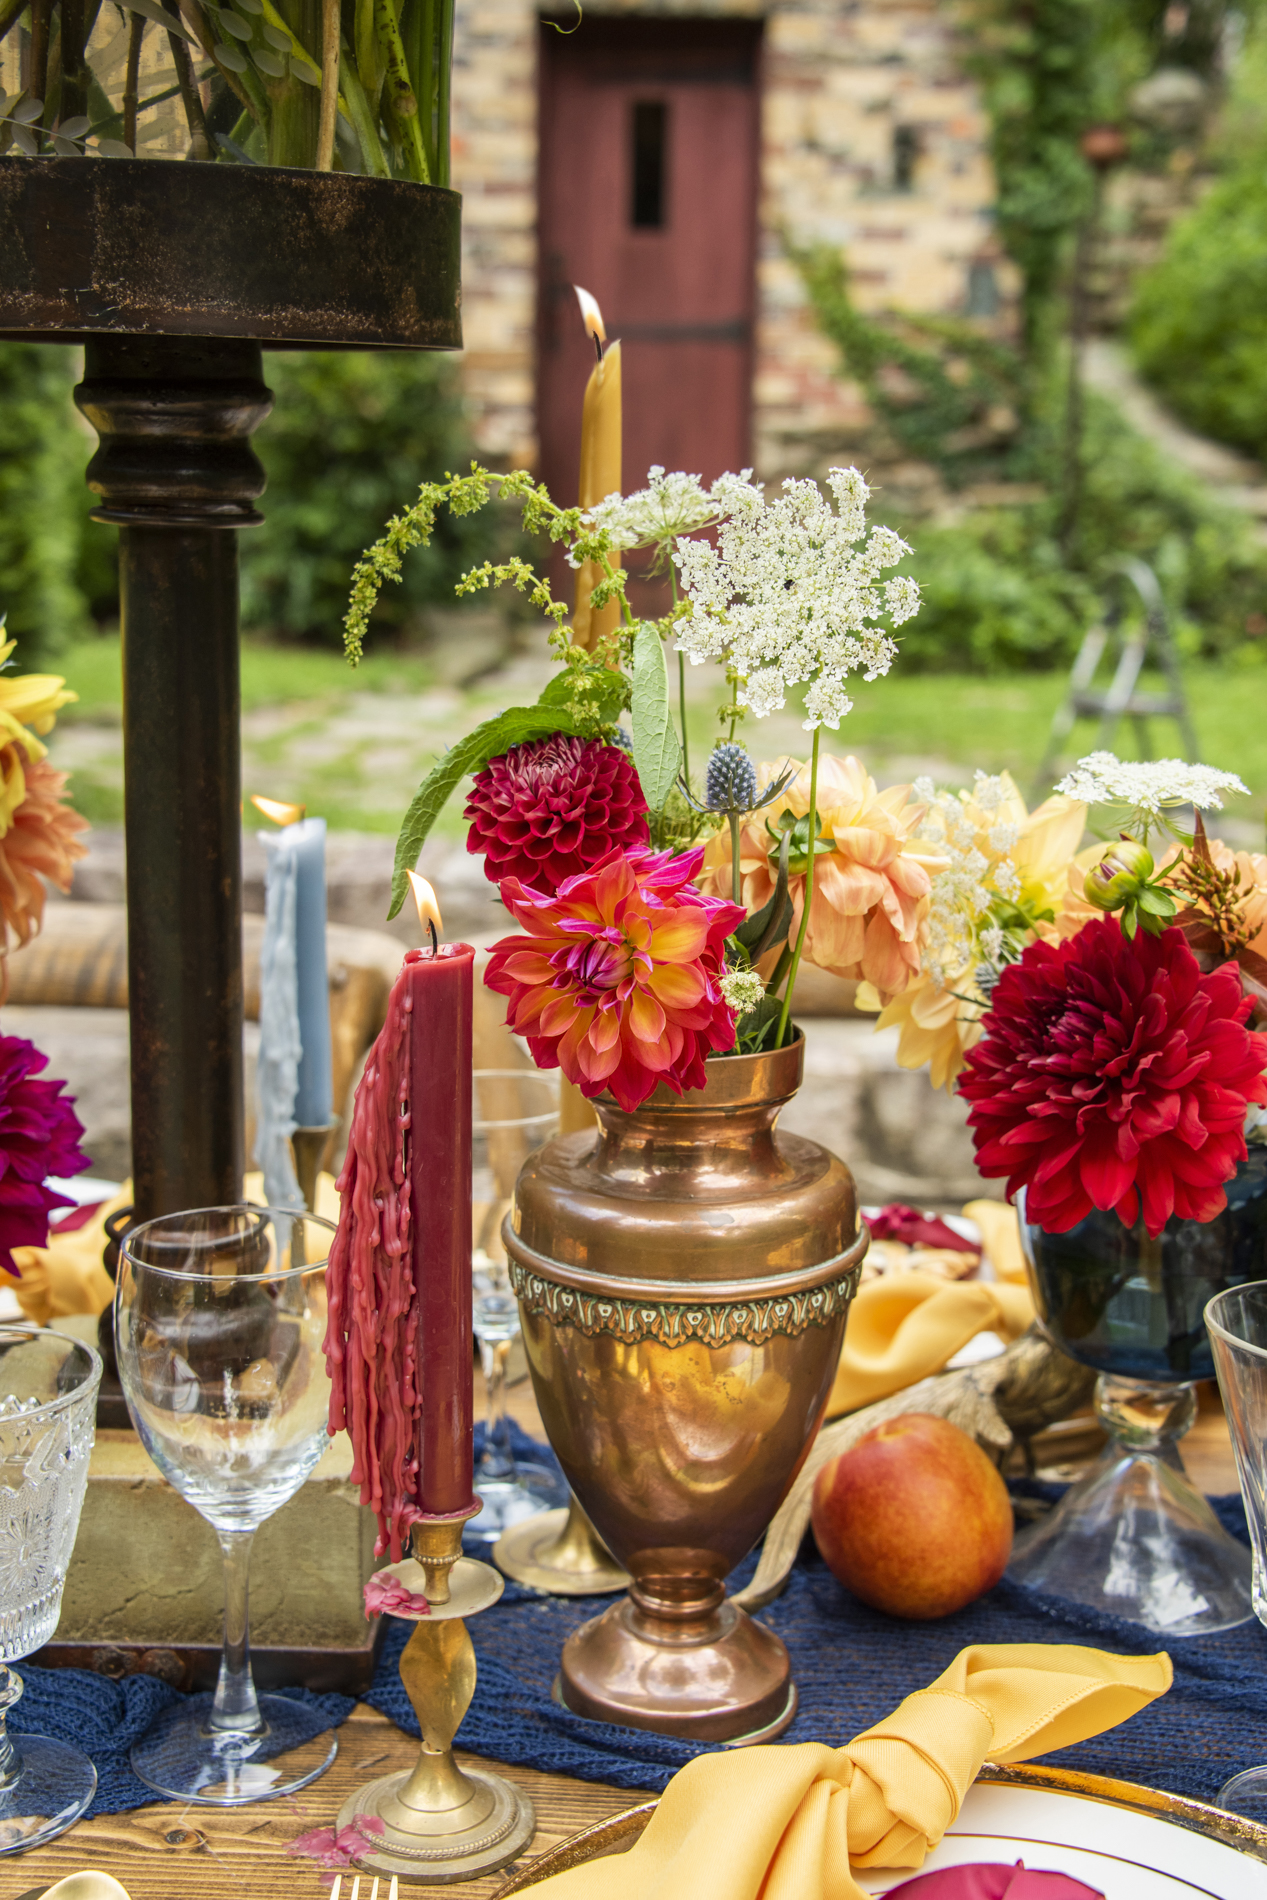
(1130, 1842)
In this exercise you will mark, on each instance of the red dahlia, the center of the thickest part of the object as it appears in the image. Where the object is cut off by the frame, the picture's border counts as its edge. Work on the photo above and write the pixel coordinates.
(552, 808)
(39, 1136)
(1114, 1074)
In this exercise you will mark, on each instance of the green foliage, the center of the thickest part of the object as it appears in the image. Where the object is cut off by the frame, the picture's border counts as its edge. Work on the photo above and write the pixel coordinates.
(349, 431)
(43, 501)
(656, 751)
(999, 595)
(1199, 321)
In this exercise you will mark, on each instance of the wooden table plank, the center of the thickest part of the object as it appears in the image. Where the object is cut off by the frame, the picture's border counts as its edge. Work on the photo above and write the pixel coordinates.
(175, 1852)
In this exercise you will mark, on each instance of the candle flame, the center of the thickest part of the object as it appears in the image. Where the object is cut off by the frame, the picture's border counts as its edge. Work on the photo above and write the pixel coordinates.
(278, 811)
(591, 315)
(425, 899)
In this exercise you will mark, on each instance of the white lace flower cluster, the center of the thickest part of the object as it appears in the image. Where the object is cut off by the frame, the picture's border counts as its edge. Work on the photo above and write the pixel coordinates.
(742, 989)
(671, 505)
(788, 596)
(962, 929)
(1148, 787)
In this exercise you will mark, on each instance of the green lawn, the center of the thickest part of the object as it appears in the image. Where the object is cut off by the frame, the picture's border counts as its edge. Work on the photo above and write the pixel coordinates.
(353, 745)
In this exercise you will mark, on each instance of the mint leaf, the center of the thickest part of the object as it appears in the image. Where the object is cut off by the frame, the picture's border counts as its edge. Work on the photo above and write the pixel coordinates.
(656, 752)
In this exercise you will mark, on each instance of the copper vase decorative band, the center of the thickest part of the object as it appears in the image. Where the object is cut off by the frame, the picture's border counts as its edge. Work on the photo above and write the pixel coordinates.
(684, 1276)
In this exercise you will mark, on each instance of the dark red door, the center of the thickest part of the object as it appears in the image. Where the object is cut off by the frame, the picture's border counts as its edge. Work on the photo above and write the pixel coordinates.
(649, 132)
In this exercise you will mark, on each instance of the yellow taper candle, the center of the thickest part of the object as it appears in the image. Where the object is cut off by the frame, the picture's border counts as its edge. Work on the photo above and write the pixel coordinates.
(600, 469)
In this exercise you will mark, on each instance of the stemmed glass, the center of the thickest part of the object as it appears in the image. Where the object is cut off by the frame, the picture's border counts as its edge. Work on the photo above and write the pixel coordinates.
(518, 1109)
(220, 1315)
(1237, 1324)
(48, 1411)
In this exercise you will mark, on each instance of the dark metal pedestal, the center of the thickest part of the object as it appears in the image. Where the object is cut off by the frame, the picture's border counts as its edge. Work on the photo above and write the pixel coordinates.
(177, 475)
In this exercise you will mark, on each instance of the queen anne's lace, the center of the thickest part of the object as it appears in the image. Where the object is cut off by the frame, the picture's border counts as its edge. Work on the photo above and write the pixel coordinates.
(672, 505)
(742, 989)
(1148, 787)
(787, 596)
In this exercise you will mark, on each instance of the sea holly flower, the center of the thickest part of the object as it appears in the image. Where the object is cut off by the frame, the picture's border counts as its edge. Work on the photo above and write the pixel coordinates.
(617, 980)
(1114, 1073)
(39, 1136)
(547, 810)
(788, 596)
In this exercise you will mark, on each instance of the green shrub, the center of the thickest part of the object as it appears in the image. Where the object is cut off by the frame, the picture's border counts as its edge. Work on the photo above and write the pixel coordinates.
(43, 501)
(351, 436)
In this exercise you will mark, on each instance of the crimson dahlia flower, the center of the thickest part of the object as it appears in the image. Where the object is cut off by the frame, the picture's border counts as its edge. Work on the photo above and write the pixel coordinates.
(616, 981)
(548, 810)
(1114, 1074)
(39, 1136)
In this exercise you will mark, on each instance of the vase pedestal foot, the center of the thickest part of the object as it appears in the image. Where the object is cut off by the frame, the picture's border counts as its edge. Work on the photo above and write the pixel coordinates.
(702, 1671)
(1134, 1538)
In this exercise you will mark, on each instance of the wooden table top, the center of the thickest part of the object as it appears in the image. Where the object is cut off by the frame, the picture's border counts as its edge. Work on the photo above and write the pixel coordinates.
(196, 1853)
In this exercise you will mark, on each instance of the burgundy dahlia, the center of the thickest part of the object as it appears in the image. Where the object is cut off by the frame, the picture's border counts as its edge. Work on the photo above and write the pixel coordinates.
(39, 1136)
(1114, 1074)
(550, 809)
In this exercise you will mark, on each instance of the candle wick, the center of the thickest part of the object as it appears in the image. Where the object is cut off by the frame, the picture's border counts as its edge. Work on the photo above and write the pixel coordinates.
(435, 941)
(598, 345)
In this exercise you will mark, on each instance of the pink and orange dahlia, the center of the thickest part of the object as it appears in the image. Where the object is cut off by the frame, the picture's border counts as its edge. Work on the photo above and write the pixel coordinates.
(551, 808)
(617, 980)
(1114, 1074)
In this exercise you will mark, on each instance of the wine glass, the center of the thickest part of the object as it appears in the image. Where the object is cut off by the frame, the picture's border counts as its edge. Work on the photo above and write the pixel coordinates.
(1237, 1325)
(518, 1110)
(48, 1406)
(220, 1315)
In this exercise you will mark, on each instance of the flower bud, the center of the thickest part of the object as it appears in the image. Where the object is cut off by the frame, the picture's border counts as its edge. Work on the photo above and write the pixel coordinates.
(1121, 874)
(730, 783)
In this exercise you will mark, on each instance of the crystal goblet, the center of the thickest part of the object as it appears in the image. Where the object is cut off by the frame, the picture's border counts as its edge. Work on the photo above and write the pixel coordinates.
(220, 1315)
(1237, 1324)
(48, 1400)
(518, 1110)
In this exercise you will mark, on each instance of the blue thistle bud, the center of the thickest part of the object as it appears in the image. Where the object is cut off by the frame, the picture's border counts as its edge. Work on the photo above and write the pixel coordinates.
(621, 738)
(730, 783)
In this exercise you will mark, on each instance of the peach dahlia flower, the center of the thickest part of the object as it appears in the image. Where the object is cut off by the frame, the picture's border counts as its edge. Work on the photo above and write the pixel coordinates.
(870, 890)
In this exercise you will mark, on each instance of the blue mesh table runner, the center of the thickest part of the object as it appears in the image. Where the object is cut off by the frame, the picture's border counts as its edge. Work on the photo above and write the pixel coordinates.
(852, 1666)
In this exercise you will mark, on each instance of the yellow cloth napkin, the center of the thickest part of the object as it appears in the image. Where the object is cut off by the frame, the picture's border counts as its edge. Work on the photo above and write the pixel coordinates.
(905, 1326)
(784, 1823)
(1000, 1238)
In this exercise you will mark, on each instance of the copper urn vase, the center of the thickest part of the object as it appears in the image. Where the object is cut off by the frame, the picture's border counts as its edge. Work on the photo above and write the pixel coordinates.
(684, 1275)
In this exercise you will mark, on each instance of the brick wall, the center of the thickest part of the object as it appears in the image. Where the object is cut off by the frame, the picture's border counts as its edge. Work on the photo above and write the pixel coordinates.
(852, 93)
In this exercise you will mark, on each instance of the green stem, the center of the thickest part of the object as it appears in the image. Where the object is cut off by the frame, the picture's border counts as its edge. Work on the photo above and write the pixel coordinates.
(362, 118)
(401, 102)
(736, 882)
(443, 78)
(421, 47)
(785, 1013)
(11, 12)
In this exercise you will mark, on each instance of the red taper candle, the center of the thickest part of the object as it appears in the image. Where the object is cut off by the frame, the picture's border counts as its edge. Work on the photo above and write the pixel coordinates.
(439, 985)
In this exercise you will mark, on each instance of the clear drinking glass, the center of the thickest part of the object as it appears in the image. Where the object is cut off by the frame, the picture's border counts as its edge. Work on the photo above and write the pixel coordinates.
(220, 1315)
(517, 1110)
(48, 1411)
(1237, 1325)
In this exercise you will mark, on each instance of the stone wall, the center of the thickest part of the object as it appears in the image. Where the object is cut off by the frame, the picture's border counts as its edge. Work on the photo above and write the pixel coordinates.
(873, 139)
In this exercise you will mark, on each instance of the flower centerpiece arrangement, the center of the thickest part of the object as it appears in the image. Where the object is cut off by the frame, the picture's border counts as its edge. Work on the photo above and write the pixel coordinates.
(644, 954)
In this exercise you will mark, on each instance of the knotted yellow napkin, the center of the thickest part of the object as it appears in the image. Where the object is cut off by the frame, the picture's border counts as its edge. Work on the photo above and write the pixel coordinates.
(906, 1325)
(784, 1823)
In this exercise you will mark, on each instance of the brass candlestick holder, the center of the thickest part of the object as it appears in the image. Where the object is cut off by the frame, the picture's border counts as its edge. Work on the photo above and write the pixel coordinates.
(560, 1552)
(442, 1823)
(307, 1145)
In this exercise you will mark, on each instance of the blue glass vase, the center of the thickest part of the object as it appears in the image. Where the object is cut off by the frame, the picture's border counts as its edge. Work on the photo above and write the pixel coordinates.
(1134, 1538)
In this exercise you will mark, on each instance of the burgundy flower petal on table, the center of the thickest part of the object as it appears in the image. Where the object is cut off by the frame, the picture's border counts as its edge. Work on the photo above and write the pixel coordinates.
(338, 1849)
(551, 808)
(39, 1136)
(1113, 1073)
